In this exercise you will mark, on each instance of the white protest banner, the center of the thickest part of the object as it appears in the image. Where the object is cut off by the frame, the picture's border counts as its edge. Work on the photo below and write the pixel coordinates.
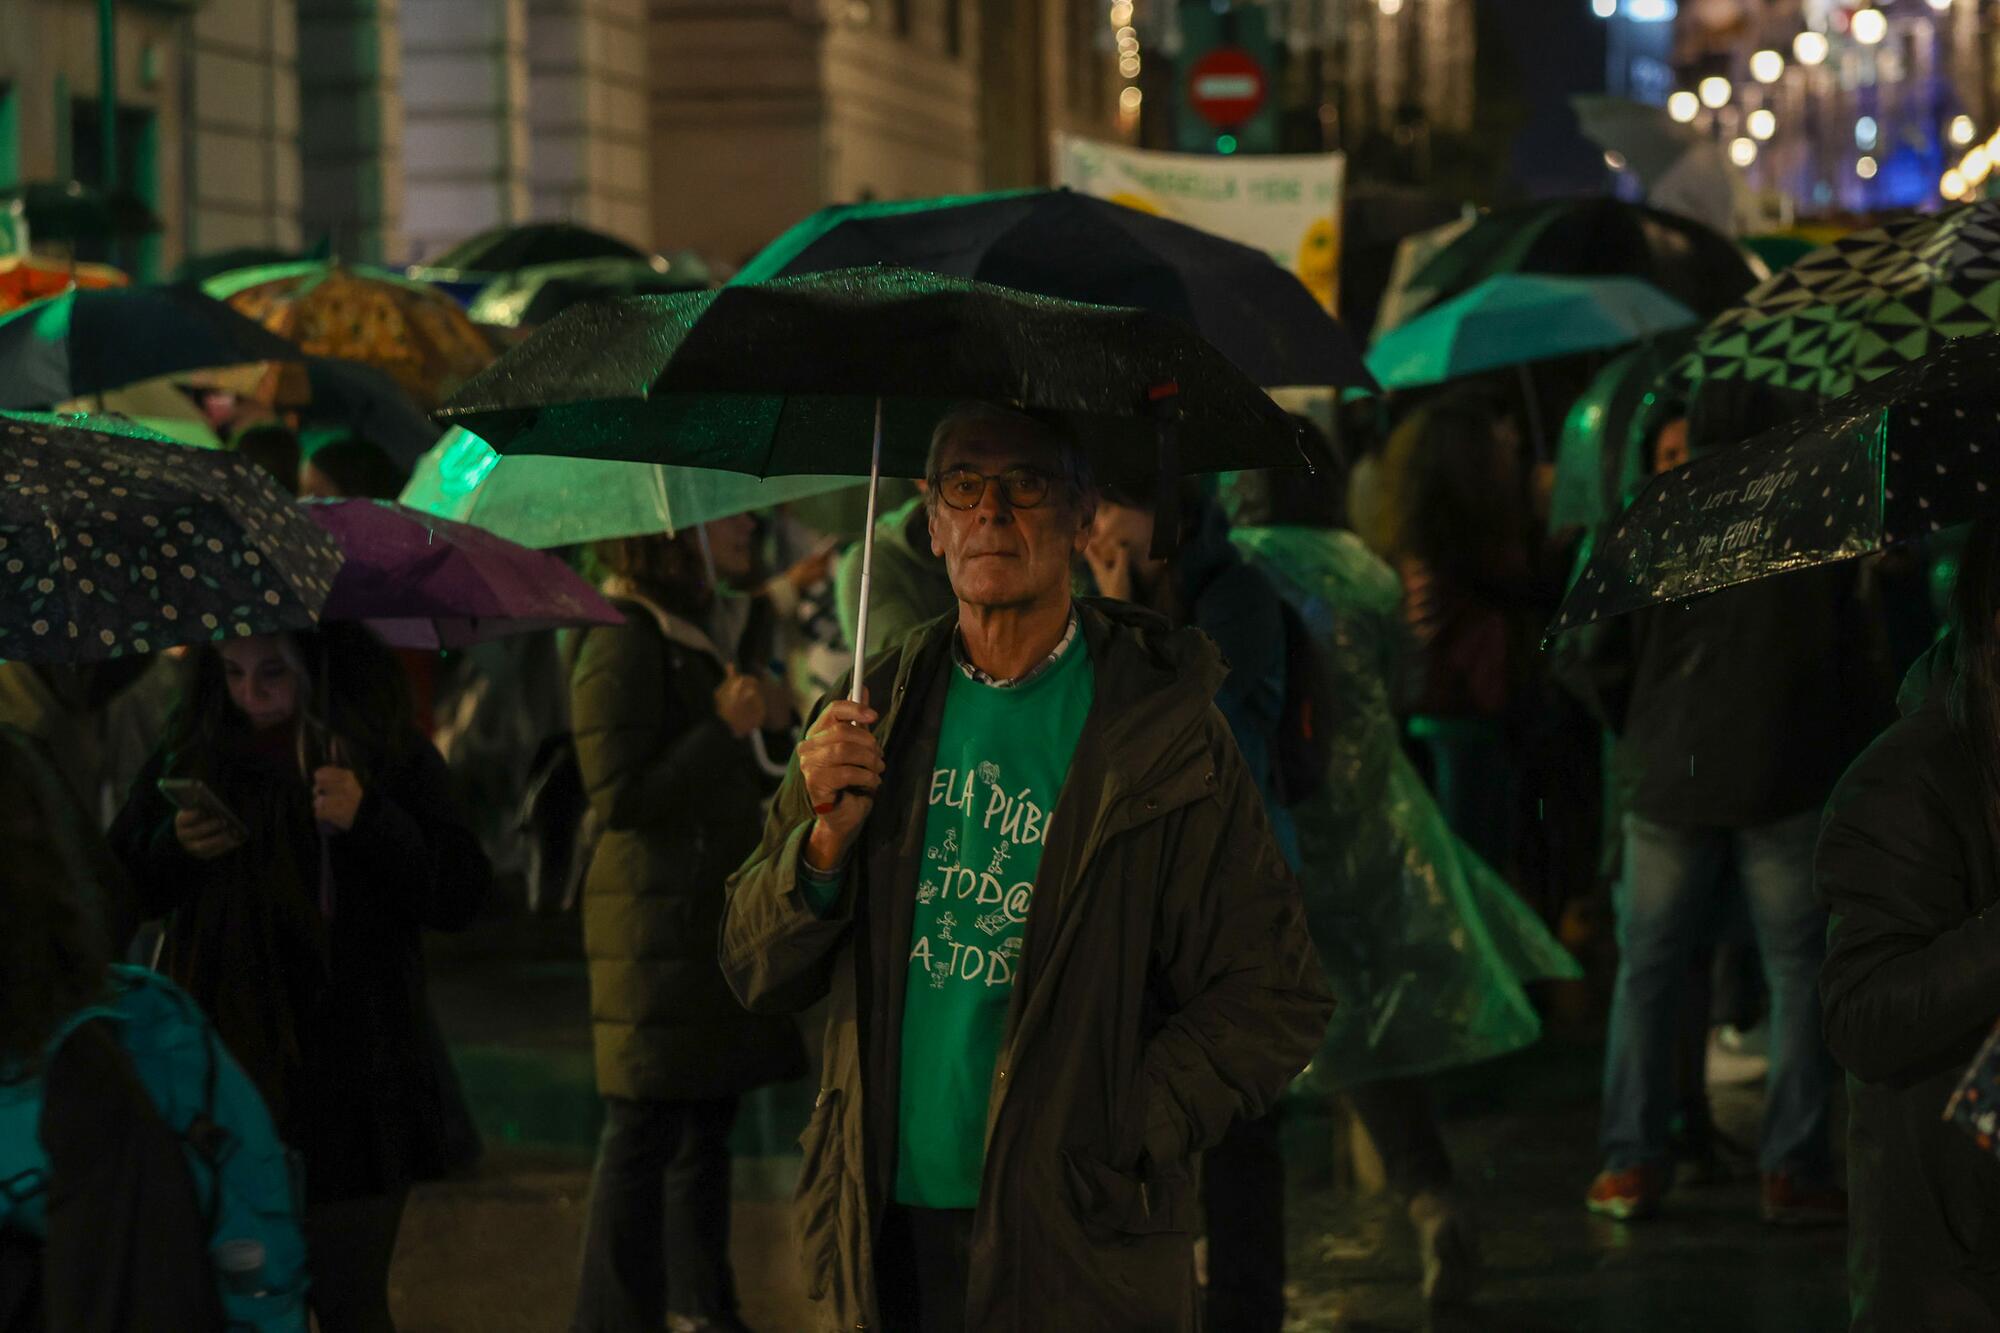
(1288, 206)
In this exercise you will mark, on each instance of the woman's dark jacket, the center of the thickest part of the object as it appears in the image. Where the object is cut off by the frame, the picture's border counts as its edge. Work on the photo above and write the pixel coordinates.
(679, 801)
(1911, 984)
(329, 1016)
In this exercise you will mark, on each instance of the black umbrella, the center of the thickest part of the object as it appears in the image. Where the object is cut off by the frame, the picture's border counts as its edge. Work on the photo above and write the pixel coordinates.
(114, 540)
(88, 341)
(1916, 451)
(370, 403)
(504, 249)
(1697, 266)
(70, 211)
(1079, 248)
(799, 375)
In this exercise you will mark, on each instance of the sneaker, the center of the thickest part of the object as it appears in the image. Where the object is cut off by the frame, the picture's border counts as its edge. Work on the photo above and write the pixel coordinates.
(1791, 1201)
(1627, 1195)
(1448, 1246)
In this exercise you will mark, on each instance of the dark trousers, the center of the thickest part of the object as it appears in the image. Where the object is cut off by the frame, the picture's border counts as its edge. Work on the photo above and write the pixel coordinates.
(1243, 1193)
(1402, 1123)
(349, 1244)
(658, 1234)
(920, 1269)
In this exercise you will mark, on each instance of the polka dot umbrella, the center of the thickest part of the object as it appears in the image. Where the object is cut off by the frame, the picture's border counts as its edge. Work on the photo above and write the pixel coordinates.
(1912, 452)
(114, 540)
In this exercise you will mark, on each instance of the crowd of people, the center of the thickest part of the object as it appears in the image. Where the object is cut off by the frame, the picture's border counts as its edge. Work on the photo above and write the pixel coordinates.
(1158, 805)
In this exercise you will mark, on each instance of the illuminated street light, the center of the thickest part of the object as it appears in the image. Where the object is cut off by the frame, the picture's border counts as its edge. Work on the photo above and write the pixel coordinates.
(1866, 134)
(1767, 67)
(1128, 66)
(1865, 168)
(1742, 152)
(1869, 26)
(1714, 92)
(1683, 106)
(1604, 9)
(1129, 100)
(1962, 130)
(1976, 167)
(1121, 13)
(1809, 48)
(1953, 185)
(1761, 123)
(1940, 5)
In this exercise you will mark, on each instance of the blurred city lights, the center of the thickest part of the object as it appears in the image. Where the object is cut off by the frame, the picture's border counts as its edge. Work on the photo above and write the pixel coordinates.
(1809, 48)
(1866, 133)
(1129, 101)
(1761, 123)
(1742, 152)
(1714, 91)
(1953, 185)
(1683, 106)
(1865, 168)
(1962, 130)
(1604, 9)
(1869, 26)
(1767, 67)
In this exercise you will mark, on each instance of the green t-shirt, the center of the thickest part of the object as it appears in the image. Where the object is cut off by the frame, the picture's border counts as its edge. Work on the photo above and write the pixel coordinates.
(1003, 752)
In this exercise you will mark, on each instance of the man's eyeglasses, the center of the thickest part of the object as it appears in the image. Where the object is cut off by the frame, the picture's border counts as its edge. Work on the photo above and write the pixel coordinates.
(965, 488)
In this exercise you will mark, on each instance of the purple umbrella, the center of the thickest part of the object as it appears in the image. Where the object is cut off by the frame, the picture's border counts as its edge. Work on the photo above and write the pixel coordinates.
(425, 582)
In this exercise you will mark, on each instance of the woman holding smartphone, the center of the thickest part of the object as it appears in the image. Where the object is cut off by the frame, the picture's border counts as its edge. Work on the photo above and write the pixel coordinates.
(297, 833)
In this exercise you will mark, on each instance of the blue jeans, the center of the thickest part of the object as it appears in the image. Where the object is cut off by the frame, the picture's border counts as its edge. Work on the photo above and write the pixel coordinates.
(1665, 903)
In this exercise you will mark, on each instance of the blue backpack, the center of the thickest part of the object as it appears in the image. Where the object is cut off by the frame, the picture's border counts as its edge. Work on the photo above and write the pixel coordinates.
(244, 1176)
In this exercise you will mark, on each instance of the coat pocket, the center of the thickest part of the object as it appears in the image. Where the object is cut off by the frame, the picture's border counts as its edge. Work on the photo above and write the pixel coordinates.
(1109, 1202)
(816, 1201)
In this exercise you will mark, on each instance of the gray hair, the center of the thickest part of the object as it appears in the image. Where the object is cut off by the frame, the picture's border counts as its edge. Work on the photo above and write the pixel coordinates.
(1077, 474)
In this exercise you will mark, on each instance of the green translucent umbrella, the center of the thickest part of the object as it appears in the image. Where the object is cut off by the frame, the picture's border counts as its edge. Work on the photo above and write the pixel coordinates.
(1600, 456)
(543, 501)
(1518, 318)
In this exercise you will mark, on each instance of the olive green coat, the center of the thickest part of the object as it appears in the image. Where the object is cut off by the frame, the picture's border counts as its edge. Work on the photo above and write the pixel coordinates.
(1167, 988)
(678, 800)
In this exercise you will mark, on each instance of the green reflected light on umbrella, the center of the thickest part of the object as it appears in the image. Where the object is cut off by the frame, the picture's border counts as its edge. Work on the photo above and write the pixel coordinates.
(464, 463)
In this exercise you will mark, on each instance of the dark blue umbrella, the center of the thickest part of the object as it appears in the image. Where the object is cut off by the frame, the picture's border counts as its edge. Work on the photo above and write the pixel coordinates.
(89, 341)
(1069, 245)
(370, 403)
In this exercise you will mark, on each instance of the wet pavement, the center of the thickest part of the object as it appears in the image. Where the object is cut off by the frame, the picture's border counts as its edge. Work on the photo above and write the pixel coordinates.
(497, 1252)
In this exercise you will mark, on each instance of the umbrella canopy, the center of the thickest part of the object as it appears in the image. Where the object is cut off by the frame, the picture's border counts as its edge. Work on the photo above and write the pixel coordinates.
(541, 502)
(1514, 319)
(1601, 454)
(412, 331)
(85, 342)
(1862, 307)
(504, 249)
(1914, 451)
(1697, 266)
(29, 278)
(200, 268)
(70, 211)
(1684, 171)
(161, 406)
(424, 582)
(785, 377)
(538, 294)
(114, 540)
(370, 403)
(1063, 244)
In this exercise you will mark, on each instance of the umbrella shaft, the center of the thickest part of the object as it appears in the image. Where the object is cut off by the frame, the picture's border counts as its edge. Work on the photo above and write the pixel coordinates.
(867, 562)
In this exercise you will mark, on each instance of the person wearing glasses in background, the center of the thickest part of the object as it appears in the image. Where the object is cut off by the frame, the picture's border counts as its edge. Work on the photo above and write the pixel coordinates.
(1033, 880)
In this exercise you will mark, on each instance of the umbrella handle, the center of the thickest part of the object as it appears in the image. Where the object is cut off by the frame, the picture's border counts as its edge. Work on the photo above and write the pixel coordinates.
(867, 563)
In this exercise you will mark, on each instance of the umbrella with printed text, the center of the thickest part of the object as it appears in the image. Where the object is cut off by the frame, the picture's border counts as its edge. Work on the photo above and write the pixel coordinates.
(1909, 454)
(846, 373)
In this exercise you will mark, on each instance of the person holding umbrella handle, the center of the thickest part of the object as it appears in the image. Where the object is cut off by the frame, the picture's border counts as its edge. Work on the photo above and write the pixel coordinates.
(1030, 874)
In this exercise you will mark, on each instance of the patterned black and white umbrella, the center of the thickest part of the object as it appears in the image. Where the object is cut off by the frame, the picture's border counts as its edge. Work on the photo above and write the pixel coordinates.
(114, 540)
(1912, 452)
(1861, 308)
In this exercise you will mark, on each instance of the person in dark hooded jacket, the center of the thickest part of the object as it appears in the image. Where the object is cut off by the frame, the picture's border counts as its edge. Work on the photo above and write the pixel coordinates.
(1907, 867)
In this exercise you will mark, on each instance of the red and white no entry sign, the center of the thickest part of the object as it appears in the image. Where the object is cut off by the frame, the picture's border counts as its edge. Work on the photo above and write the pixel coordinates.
(1226, 86)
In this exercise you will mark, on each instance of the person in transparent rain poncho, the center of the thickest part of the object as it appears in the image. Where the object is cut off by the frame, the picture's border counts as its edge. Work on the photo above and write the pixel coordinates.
(1425, 946)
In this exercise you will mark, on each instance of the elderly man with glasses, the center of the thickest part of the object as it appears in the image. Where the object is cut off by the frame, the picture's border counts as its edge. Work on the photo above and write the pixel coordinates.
(1060, 952)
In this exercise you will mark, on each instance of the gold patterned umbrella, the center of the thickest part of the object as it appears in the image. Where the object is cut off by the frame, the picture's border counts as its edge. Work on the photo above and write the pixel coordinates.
(412, 331)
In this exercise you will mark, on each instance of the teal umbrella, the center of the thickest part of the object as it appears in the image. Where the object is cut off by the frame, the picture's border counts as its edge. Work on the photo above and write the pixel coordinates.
(1517, 318)
(541, 500)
